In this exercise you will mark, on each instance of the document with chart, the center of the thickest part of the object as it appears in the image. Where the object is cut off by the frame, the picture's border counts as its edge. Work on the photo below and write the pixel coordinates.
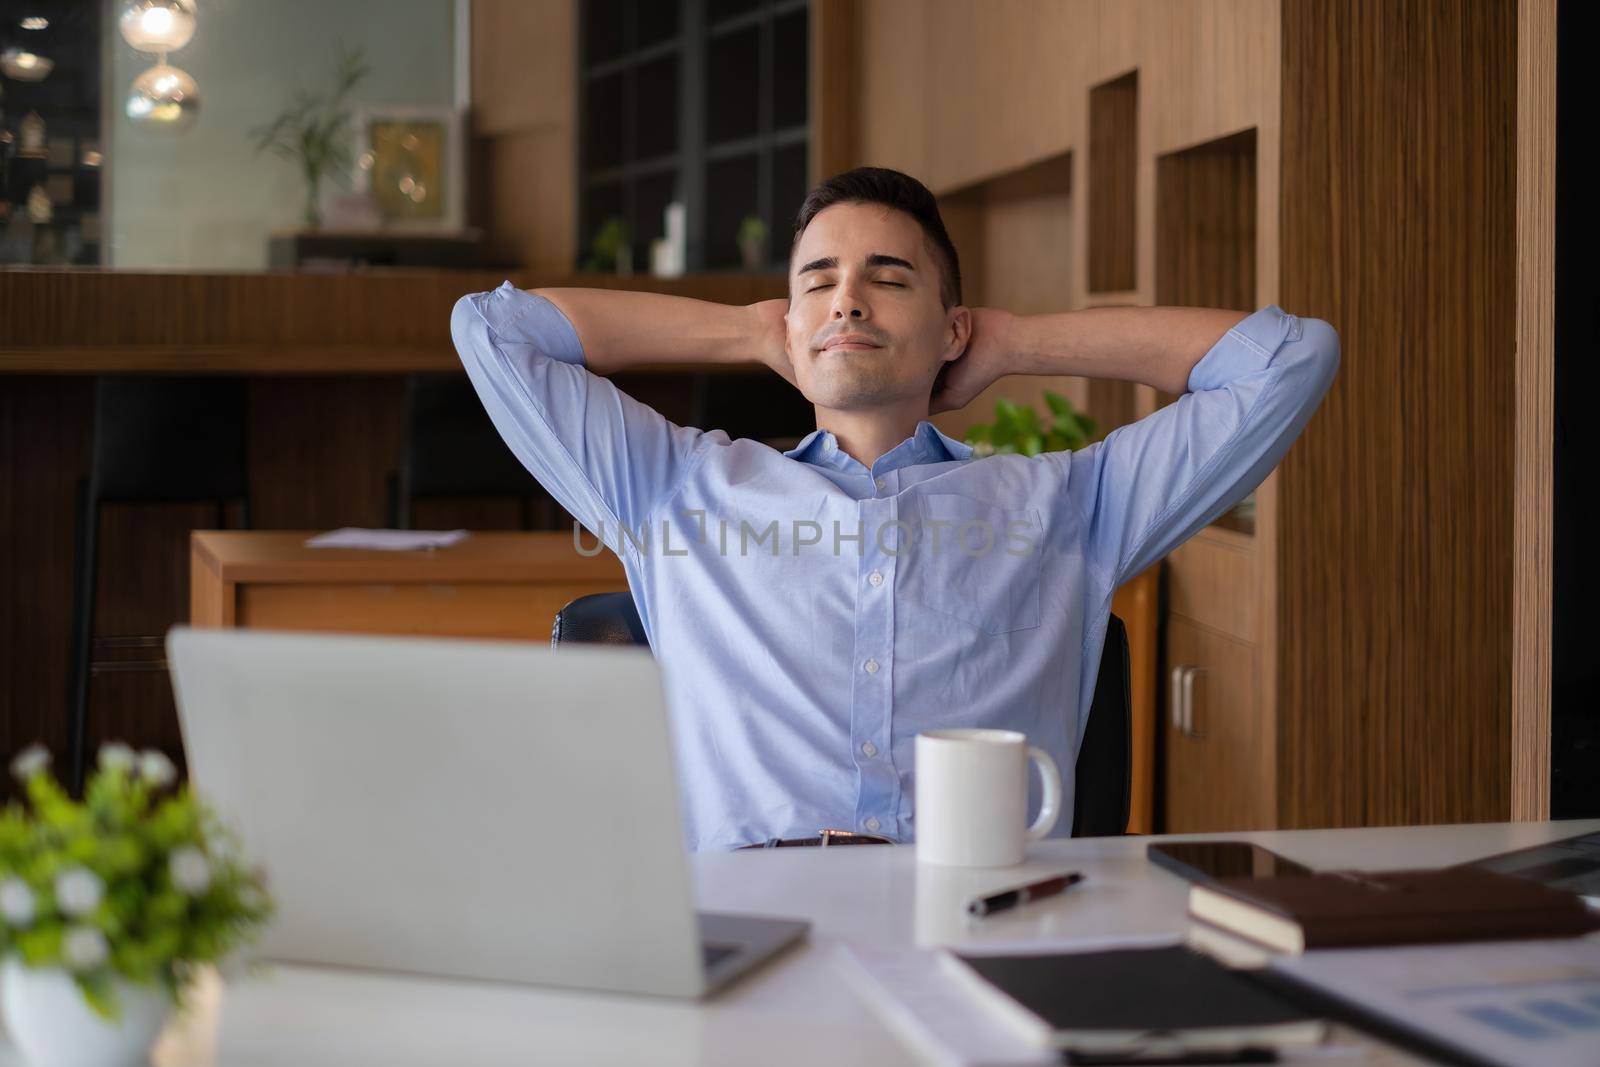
(1507, 1002)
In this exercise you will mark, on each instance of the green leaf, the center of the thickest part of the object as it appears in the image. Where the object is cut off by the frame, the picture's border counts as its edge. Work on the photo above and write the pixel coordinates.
(100, 994)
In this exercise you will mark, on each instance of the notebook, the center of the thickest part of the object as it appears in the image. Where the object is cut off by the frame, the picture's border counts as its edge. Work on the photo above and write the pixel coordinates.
(1124, 1001)
(1348, 909)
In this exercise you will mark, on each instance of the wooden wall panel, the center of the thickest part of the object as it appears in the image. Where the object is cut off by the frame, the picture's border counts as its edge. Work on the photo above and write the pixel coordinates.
(1014, 237)
(1206, 213)
(1113, 167)
(524, 129)
(1396, 506)
(1532, 606)
(835, 91)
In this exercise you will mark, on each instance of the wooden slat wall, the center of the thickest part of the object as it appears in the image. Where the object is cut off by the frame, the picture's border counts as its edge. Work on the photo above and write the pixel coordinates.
(1206, 224)
(378, 322)
(1532, 602)
(1113, 184)
(1396, 507)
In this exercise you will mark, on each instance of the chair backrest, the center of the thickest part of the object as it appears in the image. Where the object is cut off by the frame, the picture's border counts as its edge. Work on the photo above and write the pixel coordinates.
(1104, 771)
(599, 619)
(1104, 767)
(452, 448)
(160, 438)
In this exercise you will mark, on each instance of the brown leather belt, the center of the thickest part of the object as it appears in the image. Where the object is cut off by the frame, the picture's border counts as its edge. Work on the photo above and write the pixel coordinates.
(824, 839)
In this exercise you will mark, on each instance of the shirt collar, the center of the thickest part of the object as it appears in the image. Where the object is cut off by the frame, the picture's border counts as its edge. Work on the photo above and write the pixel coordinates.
(926, 445)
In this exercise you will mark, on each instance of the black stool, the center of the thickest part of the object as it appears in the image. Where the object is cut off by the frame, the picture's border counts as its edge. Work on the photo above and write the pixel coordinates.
(166, 440)
(453, 451)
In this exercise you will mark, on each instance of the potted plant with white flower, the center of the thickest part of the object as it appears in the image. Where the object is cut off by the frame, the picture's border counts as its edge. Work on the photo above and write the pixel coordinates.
(108, 906)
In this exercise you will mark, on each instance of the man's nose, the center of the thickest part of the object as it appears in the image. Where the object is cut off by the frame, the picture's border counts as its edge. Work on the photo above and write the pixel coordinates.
(847, 302)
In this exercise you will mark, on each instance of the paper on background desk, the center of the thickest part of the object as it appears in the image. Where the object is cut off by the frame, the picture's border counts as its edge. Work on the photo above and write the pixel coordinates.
(387, 540)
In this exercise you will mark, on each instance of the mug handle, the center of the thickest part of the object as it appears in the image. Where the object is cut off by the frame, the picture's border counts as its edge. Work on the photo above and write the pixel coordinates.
(1050, 805)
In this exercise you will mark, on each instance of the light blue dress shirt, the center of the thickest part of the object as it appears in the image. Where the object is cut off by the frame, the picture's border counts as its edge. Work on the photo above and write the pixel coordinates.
(811, 615)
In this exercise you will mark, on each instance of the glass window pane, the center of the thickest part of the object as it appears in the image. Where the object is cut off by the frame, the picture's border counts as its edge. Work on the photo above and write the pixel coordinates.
(731, 86)
(655, 20)
(603, 29)
(718, 10)
(790, 66)
(730, 196)
(656, 107)
(651, 195)
(604, 202)
(603, 133)
(788, 190)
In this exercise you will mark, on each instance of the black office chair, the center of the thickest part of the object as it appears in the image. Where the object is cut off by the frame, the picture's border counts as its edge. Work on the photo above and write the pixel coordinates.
(453, 451)
(1104, 768)
(155, 440)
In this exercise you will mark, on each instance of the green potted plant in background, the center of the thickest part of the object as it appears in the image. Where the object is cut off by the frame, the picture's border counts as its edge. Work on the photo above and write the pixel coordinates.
(610, 250)
(312, 132)
(110, 905)
(1017, 428)
(752, 242)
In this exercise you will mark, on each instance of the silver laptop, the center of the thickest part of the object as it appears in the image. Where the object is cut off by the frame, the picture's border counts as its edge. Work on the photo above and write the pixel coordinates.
(473, 809)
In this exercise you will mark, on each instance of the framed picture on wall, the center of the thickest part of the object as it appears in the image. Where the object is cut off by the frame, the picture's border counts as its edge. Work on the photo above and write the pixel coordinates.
(410, 161)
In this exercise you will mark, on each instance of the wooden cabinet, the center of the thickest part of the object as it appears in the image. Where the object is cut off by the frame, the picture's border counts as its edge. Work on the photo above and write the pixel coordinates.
(505, 586)
(1212, 732)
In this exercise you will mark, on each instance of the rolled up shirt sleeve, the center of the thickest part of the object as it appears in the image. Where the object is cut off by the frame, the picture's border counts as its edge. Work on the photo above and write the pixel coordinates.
(1151, 485)
(605, 457)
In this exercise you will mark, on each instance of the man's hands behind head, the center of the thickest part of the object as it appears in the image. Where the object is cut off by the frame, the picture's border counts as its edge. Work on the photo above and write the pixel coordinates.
(988, 356)
(771, 333)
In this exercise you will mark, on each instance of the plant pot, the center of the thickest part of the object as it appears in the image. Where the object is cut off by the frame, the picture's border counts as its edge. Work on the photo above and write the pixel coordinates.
(753, 254)
(52, 1025)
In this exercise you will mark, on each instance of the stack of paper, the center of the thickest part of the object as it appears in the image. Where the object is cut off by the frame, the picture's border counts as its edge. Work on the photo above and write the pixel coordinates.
(389, 540)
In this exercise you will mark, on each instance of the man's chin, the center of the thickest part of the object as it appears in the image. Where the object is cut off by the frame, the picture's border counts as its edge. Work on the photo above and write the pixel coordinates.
(855, 395)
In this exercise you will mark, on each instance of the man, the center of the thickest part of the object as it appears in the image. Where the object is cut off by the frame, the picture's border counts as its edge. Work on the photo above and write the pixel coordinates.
(812, 610)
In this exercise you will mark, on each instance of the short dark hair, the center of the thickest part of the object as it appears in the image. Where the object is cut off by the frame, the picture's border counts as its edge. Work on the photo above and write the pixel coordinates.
(879, 185)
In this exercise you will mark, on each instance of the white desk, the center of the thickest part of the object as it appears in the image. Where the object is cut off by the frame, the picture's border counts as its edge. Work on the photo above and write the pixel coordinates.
(799, 1009)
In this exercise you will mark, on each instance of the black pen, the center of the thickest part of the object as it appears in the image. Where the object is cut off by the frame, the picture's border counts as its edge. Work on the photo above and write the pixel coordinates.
(1046, 887)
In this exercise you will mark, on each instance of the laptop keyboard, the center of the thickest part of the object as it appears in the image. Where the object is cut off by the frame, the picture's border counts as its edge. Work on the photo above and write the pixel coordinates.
(713, 954)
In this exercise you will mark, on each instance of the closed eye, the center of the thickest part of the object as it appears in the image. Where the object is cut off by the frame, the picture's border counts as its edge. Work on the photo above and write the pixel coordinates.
(825, 285)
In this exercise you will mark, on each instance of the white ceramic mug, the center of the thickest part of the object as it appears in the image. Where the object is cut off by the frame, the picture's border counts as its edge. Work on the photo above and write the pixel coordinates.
(972, 797)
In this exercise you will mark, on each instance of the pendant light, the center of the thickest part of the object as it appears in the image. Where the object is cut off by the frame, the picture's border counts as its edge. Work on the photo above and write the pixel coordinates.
(157, 26)
(163, 97)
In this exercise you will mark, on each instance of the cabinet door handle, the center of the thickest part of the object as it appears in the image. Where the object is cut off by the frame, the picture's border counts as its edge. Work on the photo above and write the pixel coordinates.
(1188, 702)
(1175, 696)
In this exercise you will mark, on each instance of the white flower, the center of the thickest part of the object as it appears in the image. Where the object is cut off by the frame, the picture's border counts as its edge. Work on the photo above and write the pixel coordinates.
(16, 902)
(78, 891)
(116, 756)
(30, 761)
(190, 870)
(156, 768)
(84, 948)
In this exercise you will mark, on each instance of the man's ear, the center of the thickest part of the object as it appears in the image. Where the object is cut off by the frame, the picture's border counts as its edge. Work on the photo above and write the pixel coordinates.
(960, 333)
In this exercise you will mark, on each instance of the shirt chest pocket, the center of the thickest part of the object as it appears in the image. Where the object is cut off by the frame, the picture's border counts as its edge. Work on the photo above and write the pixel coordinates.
(972, 560)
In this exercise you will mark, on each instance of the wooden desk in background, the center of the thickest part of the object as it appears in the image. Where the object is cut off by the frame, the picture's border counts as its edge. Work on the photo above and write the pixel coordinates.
(493, 585)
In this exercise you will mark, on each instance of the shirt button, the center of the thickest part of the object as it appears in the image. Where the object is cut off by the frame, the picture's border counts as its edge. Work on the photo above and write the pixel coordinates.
(868, 749)
(871, 666)
(880, 483)
(872, 823)
(875, 578)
